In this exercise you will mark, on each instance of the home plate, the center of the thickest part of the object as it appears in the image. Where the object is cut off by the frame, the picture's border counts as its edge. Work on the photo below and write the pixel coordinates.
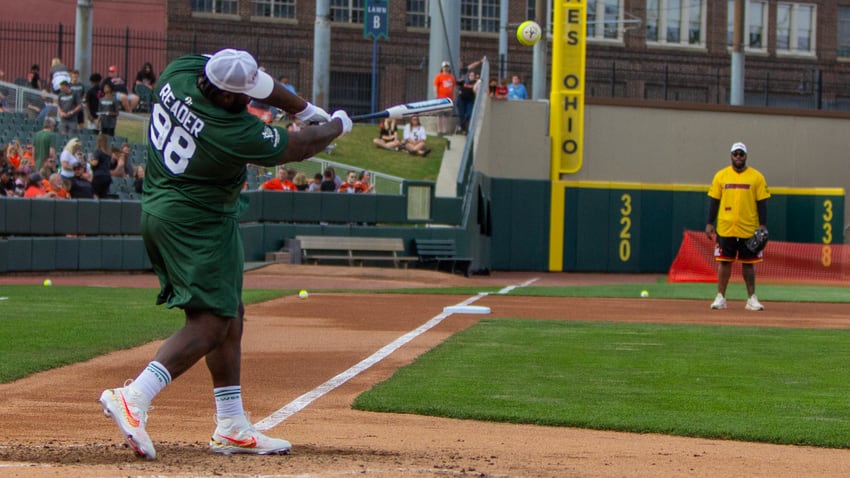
(466, 309)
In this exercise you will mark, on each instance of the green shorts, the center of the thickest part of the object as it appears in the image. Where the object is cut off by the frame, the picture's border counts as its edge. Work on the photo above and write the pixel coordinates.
(199, 263)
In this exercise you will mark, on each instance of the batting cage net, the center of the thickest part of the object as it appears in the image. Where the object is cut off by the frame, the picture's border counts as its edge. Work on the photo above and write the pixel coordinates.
(784, 262)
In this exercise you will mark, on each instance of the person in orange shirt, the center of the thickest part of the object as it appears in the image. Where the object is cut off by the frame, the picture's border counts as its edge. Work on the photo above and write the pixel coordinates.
(279, 183)
(34, 187)
(13, 153)
(445, 84)
(55, 187)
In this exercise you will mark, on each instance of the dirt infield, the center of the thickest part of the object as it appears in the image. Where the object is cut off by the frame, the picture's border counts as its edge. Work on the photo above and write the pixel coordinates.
(52, 425)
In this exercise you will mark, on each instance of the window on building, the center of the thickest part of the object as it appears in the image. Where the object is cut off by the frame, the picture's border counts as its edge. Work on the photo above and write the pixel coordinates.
(844, 32)
(479, 15)
(417, 13)
(274, 8)
(675, 22)
(215, 6)
(604, 19)
(347, 11)
(755, 25)
(795, 28)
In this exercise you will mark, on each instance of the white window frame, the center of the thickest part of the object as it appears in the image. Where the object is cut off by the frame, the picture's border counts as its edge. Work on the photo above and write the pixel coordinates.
(352, 8)
(599, 9)
(599, 23)
(216, 7)
(748, 24)
(793, 27)
(417, 18)
(685, 8)
(843, 50)
(478, 19)
(271, 4)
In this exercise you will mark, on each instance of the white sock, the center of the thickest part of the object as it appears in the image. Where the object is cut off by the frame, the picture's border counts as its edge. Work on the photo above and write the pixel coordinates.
(228, 401)
(152, 380)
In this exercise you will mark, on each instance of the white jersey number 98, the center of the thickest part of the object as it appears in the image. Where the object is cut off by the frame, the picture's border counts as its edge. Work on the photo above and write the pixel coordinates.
(174, 143)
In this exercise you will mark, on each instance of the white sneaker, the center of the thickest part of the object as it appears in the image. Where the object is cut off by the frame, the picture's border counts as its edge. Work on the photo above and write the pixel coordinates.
(753, 303)
(130, 412)
(237, 435)
(719, 302)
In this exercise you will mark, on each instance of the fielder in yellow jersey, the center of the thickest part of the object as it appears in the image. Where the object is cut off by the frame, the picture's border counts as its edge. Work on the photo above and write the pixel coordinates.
(738, 202)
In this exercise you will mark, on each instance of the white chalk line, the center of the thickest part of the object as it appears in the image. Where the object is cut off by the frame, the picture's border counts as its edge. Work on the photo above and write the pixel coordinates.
(300, 403)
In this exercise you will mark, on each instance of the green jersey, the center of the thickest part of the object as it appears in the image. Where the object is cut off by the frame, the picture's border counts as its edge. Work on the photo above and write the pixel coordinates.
(198, 152)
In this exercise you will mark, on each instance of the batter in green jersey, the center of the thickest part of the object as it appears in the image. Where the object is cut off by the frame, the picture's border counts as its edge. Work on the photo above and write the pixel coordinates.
(201, 140)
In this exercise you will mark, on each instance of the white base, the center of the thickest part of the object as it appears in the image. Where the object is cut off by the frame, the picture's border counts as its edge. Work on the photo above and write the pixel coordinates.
(466, 309)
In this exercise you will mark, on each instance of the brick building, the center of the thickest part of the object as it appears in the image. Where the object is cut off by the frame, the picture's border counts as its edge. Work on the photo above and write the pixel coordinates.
(797, 55)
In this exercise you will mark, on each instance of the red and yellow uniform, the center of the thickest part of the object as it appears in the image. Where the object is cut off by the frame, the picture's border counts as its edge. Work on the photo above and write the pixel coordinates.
(738, 194)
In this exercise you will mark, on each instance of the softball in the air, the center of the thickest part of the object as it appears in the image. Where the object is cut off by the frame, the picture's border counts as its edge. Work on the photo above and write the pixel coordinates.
(528, 33)
(644, 293)
(303, 294)
(47, 282)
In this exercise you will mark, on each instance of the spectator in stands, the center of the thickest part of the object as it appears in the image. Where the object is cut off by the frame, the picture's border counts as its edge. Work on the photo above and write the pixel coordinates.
(146, 77)
(80, 90)
(34, 78)
(144, 86)
(351, 184)
(388, 135)
(101, 166)
(139, 179)
(315, 183)
(68, 157)
(58, 73)
(738, 202)
(128, 100)
(20, 183)
(444, 87)
(414, 137)
(365, 179)
(516, 90)
(13, 154)
(107, 112)
(118, 165)
(81, 187)
(48, 167)
(262, 111)
(69, 105)
(279, 183)
(328, 184)
(34, 188)
(128, 164)
(7, 183)
(27, 160)
(92, 100)
(56, 187)
(284, 80)
(44, 142)
(300, 181)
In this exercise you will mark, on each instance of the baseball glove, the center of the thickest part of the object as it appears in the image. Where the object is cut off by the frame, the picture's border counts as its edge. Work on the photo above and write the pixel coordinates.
(758, 241)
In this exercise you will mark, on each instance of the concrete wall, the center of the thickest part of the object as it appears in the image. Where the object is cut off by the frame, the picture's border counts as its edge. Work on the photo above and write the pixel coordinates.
(671, 144)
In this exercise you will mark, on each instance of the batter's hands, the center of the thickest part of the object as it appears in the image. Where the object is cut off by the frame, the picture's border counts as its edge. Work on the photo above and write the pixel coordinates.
(313, 114)
(347, 124)
(709, 231)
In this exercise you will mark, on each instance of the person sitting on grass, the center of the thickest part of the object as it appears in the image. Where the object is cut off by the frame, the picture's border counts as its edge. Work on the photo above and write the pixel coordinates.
(414, 137)
(388, 136)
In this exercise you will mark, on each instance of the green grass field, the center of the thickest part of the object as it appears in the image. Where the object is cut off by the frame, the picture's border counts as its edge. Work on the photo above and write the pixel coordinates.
(743, 383)
(355, 149)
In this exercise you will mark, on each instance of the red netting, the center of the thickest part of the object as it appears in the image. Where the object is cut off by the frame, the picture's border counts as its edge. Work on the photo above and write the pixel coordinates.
(783, 262)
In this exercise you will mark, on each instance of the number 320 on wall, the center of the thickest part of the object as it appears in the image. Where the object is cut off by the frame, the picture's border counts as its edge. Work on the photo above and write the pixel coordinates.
(625, 247)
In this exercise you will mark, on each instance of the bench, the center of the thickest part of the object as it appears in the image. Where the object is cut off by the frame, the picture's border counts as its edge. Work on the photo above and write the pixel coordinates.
(441, 251)
(354, 250)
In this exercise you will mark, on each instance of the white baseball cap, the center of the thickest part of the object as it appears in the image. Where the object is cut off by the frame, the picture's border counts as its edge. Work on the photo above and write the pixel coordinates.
(236, 71)
(737, 146)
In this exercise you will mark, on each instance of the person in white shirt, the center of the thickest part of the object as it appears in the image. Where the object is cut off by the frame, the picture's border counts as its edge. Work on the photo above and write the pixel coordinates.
(414, 137)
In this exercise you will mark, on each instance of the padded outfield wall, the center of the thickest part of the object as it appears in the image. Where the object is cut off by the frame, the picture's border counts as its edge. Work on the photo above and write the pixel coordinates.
(645, 175)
